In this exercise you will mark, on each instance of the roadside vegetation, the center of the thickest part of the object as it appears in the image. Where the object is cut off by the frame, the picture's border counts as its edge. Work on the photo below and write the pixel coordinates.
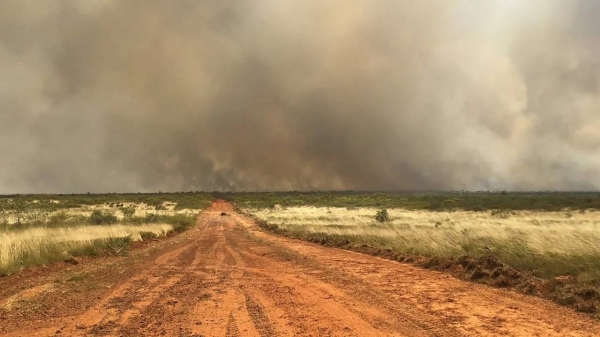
(541, 243)
(42, 229)
(549, 244)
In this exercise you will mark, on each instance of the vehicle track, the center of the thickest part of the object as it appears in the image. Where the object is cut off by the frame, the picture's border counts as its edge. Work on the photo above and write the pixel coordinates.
(229, 278)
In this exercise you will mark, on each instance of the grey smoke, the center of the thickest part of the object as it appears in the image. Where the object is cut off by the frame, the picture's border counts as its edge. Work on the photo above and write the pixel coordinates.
(143, 95)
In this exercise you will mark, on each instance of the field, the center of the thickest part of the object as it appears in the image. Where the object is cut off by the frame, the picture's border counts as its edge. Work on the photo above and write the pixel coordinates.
(41, 229)
(246, 264)
(549, 234)
(538, 243)
(549, 243)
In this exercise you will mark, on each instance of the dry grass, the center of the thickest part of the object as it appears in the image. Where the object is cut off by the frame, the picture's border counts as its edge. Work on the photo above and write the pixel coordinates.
(41, 245)
(549, 243)
(32, 234)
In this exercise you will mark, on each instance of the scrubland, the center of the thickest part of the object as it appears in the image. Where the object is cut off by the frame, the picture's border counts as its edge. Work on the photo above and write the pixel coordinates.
(548, 243)
(430, 201)
(545, 244)
(41, 229)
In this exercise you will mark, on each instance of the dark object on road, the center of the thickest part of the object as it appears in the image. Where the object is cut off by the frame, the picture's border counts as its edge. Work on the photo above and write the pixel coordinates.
(223, 214)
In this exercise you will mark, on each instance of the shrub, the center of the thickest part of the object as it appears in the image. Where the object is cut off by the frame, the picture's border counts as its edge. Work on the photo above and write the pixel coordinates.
(128, 212)
(180, 222)
(501, 213)
(89, 250)
(118, 246)
(152, 218)
(148, 236)
(102, 217)
(382, 215)
(4, 215)
(20, 208)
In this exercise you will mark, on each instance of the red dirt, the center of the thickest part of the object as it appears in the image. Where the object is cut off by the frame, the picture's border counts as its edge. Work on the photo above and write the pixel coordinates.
(226, 277)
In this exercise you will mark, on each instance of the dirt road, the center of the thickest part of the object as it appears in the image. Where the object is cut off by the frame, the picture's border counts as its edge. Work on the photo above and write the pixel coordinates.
(228, 278)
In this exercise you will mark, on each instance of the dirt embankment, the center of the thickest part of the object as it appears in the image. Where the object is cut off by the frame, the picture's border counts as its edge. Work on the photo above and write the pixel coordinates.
(228, 278)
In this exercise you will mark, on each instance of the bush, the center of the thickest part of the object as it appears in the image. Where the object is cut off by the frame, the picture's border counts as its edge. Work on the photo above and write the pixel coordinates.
(91, 250)
(58, 219)
(152, 218)
(102, 218)
(382, 215)
(180, 222)
(128, 212)
(148, 236)
(4, 215)
(118, 246)
(501, 213)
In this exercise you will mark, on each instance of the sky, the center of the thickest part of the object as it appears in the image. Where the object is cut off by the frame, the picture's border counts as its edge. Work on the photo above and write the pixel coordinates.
(253, 95)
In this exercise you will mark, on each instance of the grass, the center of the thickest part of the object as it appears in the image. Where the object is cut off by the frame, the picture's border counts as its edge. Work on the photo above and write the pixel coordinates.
(549, 244)
(34, 246)
(42, 229)
(89, 214)
(524, 249)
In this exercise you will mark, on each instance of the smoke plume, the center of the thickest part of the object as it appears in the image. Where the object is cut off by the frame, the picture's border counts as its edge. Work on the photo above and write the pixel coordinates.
(147, 95)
